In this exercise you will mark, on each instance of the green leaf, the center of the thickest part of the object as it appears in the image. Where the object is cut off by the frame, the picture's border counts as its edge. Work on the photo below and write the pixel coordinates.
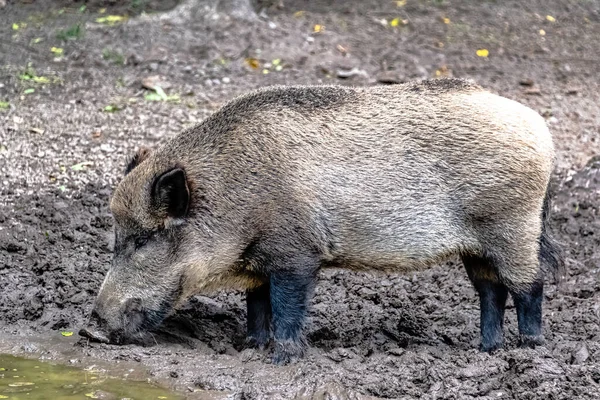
(4, 105)
(153, 97)
(66, 333)
(29, 91)
(41, 79)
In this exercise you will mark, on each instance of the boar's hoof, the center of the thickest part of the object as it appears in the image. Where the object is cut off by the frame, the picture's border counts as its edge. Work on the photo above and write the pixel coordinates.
(94, 335)
(287, 351)
(259, 343)
(531, 341)
(490, 348)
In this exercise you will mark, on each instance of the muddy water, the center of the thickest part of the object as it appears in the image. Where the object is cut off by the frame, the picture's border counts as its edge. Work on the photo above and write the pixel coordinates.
(22, 378)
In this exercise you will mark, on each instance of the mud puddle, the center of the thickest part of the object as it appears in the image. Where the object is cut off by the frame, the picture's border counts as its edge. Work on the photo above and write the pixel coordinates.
(22, 378)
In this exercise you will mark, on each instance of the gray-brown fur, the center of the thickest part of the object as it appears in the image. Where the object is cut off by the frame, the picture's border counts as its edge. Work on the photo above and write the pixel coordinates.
(383, 178)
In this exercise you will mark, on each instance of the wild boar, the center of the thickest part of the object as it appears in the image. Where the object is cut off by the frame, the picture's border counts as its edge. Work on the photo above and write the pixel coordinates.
(284, 181)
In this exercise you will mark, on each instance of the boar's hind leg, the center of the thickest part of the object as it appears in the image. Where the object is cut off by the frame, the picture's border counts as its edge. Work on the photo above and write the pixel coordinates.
(291, 285)
(492, 298)
(258, 302)
(528, 302)
(519, 269)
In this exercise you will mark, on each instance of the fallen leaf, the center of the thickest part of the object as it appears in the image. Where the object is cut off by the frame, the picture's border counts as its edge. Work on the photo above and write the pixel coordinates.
(4, 105)
(37, 40)
(57, 50)
(67, 334)
(102, 10)
(111, 19)
(299, 14)
(15, 26)
(80, 167)
(41, 79)
(400, 3)
(252, 63)
(62, 188)
(3, 396)
(154, 81)
(542, 32)
(446, 20)
(318, 28)
(21, 384)
(28, 91)
(111, 108)
(483, 53)
(276, 61)
(265, 71)
(162, 397)
(395, 22)
(91, 395)
(532, 91)
(550, 18)
(526, 82)
(342, 49)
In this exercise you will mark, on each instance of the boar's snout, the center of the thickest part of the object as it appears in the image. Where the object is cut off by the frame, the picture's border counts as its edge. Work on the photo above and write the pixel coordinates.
(93, 330)
(99, 328)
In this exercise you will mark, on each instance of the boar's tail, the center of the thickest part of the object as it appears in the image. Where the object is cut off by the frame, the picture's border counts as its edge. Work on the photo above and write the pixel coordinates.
(550, 254)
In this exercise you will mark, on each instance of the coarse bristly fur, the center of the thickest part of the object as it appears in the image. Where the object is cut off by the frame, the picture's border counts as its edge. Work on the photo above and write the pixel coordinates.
(283, 181)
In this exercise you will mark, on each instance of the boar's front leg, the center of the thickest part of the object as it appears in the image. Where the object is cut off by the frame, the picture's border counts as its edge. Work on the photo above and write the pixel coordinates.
(258, 302)
(292, 281)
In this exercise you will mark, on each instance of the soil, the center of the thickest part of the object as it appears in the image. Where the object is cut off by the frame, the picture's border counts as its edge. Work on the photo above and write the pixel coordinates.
(64, 146)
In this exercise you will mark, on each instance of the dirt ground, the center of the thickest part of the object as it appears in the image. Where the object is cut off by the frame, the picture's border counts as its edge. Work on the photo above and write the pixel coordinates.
(64, 145)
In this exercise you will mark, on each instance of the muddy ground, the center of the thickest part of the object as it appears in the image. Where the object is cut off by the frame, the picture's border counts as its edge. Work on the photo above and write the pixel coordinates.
(64, 146)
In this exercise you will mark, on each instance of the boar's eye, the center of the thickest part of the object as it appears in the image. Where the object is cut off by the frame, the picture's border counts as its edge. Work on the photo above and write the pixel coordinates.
(141, 240)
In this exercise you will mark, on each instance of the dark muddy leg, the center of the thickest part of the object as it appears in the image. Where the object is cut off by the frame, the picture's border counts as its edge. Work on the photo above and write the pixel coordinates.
(258, 303)
(492, 300)
(290, 292)
(528, 303)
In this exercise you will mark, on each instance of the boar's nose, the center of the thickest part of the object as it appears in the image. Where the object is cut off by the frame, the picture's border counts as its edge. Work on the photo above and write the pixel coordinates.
(93, 331)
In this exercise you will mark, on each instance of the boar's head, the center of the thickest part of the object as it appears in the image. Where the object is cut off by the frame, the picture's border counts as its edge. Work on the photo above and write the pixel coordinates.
(150, 207)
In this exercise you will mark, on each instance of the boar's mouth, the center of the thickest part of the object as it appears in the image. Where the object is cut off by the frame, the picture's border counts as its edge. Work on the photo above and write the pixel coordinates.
(94, 335)
(134, 329)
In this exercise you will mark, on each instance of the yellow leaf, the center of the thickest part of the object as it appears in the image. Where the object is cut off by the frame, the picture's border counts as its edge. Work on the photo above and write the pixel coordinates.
(37, 40)
(550, 18)
(67, 334)
(41, 79)
(57, 50)
(299, 14)
(318, 28)
(446, 20)
(91, 395)
(400, 3)
(252, 63)
(483, 52)
(111, 19)
(102, 10)
(395, 22)
(265, 71)
(3, 396)
(542, 32)
(162, 397)
(15, 26)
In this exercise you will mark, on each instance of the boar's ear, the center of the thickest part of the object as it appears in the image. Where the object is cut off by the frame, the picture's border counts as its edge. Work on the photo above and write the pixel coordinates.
(171, 194)
(137, 158)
